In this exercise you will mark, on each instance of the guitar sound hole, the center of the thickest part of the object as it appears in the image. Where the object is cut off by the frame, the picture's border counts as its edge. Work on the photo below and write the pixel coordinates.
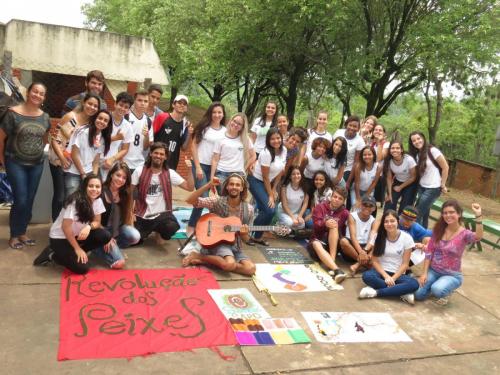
(227, 228)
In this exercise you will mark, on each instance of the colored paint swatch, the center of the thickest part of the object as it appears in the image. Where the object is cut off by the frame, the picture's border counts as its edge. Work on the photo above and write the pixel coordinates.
(246, 338)
(268, 331)
(282, 337)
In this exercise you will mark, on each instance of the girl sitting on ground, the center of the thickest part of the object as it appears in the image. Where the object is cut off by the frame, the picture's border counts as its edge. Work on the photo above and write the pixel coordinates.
(443, 255)
(390, 260)
(77, 230)
(294, 201)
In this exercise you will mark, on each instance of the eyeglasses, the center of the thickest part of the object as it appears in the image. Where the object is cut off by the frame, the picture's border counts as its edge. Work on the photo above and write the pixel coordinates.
(237, 123)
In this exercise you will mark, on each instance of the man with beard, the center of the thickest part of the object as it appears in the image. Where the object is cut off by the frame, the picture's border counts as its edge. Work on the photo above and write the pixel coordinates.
(230, 203)
(94, 83)
(152, 186)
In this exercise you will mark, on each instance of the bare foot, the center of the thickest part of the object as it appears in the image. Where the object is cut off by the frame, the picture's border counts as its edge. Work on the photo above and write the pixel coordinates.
(192, 259)
(354, 268)
(159, 241)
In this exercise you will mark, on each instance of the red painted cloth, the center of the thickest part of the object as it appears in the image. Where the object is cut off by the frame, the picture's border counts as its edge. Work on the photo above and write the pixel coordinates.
(323, 212)
(110, 314)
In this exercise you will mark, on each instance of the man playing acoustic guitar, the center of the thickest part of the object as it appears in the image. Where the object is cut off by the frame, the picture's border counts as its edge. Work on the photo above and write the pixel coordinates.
(230, 203)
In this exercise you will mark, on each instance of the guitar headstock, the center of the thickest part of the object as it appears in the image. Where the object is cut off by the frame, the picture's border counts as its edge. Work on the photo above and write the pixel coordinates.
(281, 230)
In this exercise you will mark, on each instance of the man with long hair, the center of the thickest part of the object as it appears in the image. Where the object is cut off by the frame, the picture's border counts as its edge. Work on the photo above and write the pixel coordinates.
(152, 184)
(230, 203)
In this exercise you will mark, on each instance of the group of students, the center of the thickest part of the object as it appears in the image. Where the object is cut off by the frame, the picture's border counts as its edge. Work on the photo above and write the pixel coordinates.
(300, 178)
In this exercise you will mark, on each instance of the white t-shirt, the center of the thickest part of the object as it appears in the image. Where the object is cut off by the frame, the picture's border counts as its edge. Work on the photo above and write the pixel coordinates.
(155, 204)
(402, 172)
(232, 158)
(136, 154)
(295, 198)
(362, 228)
(313, 165)
(274, 168)
(80, 139)
(313, 135)
(355, 144)
(207, 144)
(123, 128)
(261, 131)
(366, 177)
(330, 168)
(394, 251)
(431, 177)
(69, 212)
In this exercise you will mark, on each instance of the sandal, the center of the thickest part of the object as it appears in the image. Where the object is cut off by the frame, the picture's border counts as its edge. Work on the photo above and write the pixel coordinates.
(16, 244)
(28, 242)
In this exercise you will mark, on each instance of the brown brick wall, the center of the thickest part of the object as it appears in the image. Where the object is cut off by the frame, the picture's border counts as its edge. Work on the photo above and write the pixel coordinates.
(474, 177)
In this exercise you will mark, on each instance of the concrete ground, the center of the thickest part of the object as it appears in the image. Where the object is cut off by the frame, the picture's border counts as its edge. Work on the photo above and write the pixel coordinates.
(463, 336)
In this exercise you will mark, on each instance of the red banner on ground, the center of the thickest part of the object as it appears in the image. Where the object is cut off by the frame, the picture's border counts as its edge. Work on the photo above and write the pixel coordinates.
(108, 314)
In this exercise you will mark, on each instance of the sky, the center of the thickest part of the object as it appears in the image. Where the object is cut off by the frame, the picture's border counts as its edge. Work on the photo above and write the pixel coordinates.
(57, 12)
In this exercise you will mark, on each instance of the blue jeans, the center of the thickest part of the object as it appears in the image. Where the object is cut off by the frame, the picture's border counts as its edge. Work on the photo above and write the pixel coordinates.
(24, 180)
(361, 194)
(286, 220)
(439, 285)
(196, 213)
(407, 196)
(71, 183)
(222, 176)
(127, 236)
(266, 213)
(58, 184)
(404, 284)
(426, 197)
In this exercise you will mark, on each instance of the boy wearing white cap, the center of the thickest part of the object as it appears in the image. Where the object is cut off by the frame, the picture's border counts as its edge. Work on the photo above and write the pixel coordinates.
(174, 130)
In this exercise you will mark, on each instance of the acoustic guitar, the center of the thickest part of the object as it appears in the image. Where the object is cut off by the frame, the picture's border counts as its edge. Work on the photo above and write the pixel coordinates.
(212, 230)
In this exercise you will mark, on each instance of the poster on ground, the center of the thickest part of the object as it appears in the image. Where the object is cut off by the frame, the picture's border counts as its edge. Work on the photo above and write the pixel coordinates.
(109, 313)
(238, 304)
(293, 278)
(335, 327)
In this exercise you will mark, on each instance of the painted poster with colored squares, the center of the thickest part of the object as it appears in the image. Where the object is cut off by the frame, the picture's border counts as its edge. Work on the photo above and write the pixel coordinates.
(268, 331)
(334, 327)
(238, 304)
(292, 278)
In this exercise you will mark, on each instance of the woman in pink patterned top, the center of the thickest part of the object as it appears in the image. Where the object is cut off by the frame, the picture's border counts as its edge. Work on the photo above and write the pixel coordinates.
(443, 256)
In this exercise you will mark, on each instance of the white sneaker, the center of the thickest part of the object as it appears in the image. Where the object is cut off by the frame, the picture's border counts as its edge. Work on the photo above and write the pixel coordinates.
(441, 301)
(408, 298)
(367, 292)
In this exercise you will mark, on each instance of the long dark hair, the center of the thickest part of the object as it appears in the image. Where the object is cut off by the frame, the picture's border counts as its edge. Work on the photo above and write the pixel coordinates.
(105, 133)
(88, 95)
(341, 158)
(206, 120)
(83, 205)
(362, 164)
(388, 158)
(380, 242)
(328, 183)
(263, 115)
(420, 155)
(288, 178)
(271, 149)
(439, 228)
(124, 193)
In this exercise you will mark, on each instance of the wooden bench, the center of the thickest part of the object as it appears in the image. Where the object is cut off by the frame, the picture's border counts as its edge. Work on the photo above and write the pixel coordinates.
(489, 226)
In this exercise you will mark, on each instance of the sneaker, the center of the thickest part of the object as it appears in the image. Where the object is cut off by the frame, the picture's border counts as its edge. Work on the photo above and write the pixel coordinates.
(441, 301)
(339, 275)
(118, 265)
(44, 258)
(408, 298)
(367, 292)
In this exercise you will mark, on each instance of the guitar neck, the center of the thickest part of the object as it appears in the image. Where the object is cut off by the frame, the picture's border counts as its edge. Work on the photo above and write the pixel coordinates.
(253, 228)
